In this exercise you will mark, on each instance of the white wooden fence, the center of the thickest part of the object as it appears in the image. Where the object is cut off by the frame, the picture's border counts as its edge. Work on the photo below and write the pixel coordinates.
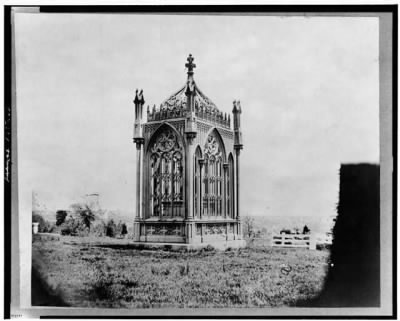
(294, 240)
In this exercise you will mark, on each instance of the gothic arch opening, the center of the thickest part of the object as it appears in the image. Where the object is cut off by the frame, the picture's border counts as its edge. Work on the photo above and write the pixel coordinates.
(198, 159)
(213, 181)
(165, 155)
(214, 135)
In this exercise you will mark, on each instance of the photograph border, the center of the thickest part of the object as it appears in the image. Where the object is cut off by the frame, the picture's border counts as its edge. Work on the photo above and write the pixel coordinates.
(388, 160)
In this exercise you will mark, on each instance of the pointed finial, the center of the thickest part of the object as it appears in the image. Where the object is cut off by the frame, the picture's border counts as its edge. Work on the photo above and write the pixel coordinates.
(190, 65)
(235, 109)
(136, 100)
(239, 106)
(140, 96)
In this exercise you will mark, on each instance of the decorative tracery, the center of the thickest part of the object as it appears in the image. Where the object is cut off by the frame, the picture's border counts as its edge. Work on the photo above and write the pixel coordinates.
(166, 175)
(178, 101)
(212, 199)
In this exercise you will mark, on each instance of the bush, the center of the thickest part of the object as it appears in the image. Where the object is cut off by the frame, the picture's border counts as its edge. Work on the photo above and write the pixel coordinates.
(111, 229)
(124, 229)
(70, 227)
(82, 230)
(60, 217)
(99, 229)
(115, 230)
(209, 248)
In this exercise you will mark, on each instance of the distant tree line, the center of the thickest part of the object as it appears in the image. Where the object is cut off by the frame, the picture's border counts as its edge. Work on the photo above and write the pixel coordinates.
(82, 220)
(251, 230)
(44, 226)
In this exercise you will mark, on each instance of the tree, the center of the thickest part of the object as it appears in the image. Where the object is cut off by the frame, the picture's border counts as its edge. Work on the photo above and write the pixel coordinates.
(60, 217)
(85, 213)
(248, 226)
(306, 230)
(118, 230)
(124, 229)
(111, 228)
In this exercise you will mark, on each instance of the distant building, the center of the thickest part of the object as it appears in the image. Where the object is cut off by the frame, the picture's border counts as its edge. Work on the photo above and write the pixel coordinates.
(188, 179)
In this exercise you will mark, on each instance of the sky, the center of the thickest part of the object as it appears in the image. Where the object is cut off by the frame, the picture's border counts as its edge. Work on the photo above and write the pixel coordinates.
(308, 86)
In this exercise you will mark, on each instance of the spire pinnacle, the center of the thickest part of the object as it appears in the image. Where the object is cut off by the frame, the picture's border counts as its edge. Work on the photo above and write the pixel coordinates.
(190, 65)
(235, 107)
(136, 100)
(139, 97)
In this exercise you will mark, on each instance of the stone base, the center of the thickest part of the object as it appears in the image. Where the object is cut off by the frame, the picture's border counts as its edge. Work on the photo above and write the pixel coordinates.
(233, 244)
(220, 233)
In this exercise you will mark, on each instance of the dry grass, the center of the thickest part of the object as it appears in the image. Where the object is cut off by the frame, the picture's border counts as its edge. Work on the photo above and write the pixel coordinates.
(101, 276)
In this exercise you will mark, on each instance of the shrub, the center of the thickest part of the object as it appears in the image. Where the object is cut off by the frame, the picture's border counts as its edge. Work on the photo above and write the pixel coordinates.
(70, 227)
(124, 229)
(99, 229)
(60, 217)
(111, 229)
(118, 229)
(82, 230)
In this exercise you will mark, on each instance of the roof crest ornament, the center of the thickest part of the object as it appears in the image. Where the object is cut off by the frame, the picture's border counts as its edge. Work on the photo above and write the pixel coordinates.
(190, 66)
(175, 105)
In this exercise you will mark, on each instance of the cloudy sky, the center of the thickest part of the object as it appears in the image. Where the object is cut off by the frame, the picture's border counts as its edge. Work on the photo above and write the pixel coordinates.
(308, 89)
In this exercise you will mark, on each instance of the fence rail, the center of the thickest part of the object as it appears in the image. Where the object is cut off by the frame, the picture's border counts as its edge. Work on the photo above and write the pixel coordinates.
(294, 240)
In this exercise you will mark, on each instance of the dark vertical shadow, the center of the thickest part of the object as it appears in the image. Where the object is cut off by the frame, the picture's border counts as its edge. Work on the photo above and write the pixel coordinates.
(353, 279)
(42, 294)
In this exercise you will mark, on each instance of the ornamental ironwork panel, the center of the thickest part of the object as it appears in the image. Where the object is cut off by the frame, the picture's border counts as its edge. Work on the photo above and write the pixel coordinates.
(215, 229)
(163, 229)
(166, 175)
(212, 180)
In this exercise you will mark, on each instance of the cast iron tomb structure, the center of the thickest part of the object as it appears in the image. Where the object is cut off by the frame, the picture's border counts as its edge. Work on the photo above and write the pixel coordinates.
(187, 171)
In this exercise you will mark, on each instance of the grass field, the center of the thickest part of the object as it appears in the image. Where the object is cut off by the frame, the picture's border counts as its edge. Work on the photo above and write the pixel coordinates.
(83, 274)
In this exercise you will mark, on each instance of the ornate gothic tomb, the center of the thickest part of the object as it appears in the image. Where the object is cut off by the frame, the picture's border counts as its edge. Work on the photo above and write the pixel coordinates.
(187, 171)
